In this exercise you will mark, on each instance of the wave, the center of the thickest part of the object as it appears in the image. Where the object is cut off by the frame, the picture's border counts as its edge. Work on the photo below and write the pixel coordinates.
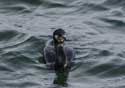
(114, 2)
(114, 21)
(6, 35)
(33, 2)
(19, 49)
(91, 6)
(99, 54)
(102, 63)
(18, 6)
(28, 6)
(74, 7)
(107, 70)
(10, 38)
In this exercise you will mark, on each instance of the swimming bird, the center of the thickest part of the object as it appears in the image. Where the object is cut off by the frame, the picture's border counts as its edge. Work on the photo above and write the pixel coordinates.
(58, 56)
(56, 50)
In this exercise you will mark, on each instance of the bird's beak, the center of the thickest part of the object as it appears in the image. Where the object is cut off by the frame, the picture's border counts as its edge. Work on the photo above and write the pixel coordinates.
(60, 40)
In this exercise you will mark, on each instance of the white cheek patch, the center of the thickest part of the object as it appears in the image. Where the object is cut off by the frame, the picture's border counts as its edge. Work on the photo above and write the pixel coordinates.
(56, 36)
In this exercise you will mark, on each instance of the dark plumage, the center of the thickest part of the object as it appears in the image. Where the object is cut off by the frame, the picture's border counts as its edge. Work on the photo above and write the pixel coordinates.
(57, 55)
(53, 52)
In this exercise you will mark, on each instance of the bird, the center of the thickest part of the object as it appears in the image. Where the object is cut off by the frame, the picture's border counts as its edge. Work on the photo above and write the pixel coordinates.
(55, 50)
(58, 56)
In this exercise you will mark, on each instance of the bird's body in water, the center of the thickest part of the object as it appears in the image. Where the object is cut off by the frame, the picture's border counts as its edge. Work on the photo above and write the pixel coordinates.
(61, 67)
(59, 57)
(61, 61)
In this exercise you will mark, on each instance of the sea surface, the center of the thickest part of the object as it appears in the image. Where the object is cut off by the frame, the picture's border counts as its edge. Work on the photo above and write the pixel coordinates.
(95, 29)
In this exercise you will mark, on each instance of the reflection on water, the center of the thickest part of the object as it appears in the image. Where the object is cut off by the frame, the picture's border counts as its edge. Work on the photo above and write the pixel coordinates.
(62, 68)
(61, 78)
(62, 74)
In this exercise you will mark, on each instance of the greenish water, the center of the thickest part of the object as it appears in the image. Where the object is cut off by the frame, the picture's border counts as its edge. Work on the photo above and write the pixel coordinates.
(95, 29)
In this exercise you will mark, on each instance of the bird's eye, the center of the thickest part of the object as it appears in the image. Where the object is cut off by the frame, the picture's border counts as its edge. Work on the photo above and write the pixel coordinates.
(56, 36)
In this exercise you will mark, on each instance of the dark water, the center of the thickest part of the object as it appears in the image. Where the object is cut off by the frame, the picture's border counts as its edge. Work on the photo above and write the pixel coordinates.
(95, 30)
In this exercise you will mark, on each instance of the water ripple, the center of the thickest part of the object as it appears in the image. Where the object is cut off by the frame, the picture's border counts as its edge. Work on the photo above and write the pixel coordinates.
(95, 30)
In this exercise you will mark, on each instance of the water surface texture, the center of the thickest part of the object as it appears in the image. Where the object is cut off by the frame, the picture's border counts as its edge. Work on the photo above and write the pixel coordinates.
(95, 29)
